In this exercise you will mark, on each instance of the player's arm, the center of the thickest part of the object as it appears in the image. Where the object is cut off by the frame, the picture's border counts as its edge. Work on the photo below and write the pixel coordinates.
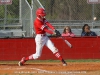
(48, 31)
(49, 25)
(45, 28)
(55, 33)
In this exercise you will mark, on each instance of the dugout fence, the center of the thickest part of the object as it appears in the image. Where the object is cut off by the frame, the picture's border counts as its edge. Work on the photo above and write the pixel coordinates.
(16, 19)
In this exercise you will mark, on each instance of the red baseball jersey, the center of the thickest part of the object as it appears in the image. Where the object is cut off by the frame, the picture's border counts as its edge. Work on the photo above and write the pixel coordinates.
(39, 25)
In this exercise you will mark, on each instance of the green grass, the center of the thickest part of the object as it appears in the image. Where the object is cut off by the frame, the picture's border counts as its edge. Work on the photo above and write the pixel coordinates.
(84, 60)
(81, 60)
(48, 61)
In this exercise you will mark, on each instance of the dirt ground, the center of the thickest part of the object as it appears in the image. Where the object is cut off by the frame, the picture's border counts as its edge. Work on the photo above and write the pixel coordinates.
(51, 68)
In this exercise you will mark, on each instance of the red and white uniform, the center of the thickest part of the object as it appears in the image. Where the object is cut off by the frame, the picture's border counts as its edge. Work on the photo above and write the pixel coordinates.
(41, 28)
(41, 39)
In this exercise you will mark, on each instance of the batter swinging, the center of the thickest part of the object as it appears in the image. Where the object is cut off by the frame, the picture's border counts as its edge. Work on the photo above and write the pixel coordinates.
(41, 27)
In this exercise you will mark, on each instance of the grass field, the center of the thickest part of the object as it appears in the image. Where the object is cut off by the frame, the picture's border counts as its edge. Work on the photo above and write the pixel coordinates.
(51, 67)
(54, 61)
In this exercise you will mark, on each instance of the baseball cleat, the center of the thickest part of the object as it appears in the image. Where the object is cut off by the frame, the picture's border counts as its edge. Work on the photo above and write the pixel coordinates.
(21, 63)
(65, 64)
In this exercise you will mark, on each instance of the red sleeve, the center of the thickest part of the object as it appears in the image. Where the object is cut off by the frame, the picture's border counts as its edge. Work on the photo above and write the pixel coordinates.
(48, 31)
(49, 25)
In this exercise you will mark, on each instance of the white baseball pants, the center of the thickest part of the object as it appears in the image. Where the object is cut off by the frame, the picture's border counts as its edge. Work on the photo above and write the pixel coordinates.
(42, 40)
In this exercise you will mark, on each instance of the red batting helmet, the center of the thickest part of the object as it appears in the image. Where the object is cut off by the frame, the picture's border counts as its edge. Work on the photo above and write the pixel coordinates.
(40, 12)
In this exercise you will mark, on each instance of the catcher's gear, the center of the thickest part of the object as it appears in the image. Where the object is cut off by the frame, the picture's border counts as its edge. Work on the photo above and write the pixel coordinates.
(41, 12)
(57, 33)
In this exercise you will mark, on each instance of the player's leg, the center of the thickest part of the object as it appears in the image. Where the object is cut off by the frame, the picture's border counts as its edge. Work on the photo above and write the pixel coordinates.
(39, 45)
(40, 42)
(32, 56)
(55, 51)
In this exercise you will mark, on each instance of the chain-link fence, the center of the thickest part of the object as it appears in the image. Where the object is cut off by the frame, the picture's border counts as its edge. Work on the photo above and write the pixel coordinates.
(73, 13)
(9, 14)
(71, 10)
(19, 16)
(10, 19)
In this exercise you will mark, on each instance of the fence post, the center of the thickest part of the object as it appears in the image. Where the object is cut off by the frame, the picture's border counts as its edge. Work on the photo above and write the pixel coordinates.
(20, 11)
(5, 17)
(92, 15)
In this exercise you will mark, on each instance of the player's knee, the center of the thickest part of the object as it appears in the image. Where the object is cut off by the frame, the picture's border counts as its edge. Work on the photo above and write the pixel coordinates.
(55, 50)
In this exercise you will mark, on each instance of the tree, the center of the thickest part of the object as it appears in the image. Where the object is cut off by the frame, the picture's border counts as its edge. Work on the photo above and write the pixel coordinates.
(69, 9)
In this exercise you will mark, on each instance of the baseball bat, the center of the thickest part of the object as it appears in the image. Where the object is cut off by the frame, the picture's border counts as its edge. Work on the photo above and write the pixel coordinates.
(67, 42)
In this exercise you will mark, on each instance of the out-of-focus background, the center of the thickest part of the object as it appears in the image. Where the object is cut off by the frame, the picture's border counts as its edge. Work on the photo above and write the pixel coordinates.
(17, 16)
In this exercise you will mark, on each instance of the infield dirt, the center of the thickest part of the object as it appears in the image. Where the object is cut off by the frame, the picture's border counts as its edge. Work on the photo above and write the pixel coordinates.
(51, 68)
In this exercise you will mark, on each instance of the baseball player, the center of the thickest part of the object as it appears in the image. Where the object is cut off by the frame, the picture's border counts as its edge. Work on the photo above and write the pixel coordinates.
(41, 27)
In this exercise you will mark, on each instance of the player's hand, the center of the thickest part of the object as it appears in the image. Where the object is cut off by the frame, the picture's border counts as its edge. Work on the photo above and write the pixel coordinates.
(57, 33)
(54, 34)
